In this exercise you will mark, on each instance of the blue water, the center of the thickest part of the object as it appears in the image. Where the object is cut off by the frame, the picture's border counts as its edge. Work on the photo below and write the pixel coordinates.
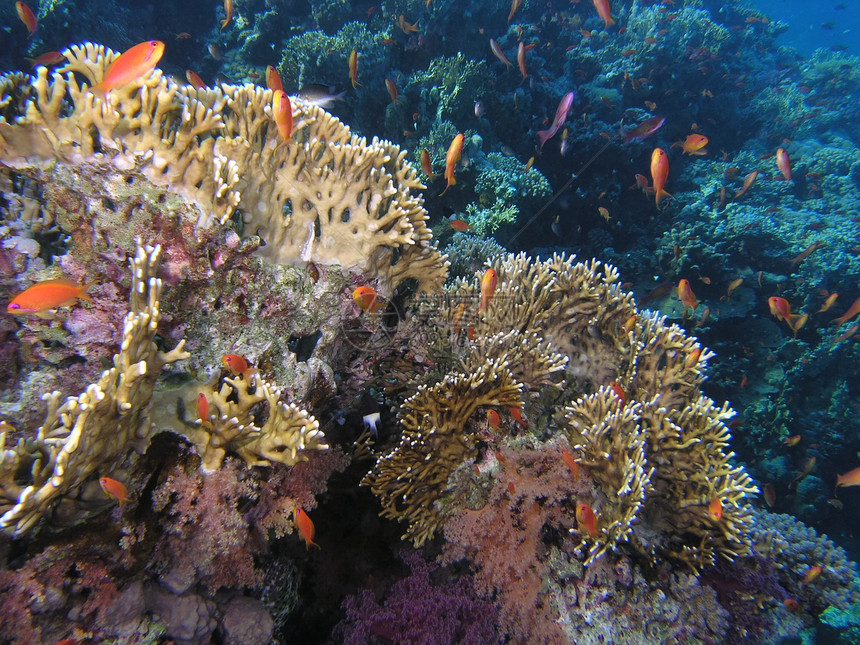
(813, 25)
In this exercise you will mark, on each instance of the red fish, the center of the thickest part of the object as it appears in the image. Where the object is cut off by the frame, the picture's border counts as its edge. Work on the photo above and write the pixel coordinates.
(236, 364)
(306, 528)
(27, 17)
(715, 509)
(853, 310)
(131, 65)
(114, 489)
(460, 226)
(586, 519)
(48, 59)
(792, 441)
(283, 112)
(494, 419)
(498, 53)
(228, 11)
(692, 358)
(783, 163)
(47, 295)
(521, 60)
(561, 113)
(194, 80)
(686, 295)
(367, 299)
(426, 164)
(518, 416)
(570, 461)
(203, 410)
(851, 478)
(659, 174)
(451, 159)
(604, 12)
(488, 287)
(353, 68)
(779, 308)
(616, 388)
(273, 79)
(831, 300)
(694, 144)
(392, 89)
(644, 129)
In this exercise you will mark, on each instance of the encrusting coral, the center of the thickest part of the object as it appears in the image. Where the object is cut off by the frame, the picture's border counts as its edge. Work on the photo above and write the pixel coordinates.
(323, 196)
(231, 425)
(92, 431)
(637, 422)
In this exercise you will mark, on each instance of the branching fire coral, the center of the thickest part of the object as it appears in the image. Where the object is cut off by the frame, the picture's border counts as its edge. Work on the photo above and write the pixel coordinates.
(231, 424)
(323, 196)
(94, 430)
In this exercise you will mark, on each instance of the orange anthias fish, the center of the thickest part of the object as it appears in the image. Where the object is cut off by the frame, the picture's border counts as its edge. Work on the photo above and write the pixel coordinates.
(749, 180)
(831, 300)
(114, 489)
(570, 461)
(604, 12)
(779, 308)
(203, 410)
(494, 419)
(228, 11)
(644, 129)
(194, 79)
(451, 159)
(283, 112)
(521, 60)
(515, 4)
(659, 174)
(306, 528)
(236, 364)
(353, 68)
(853, 310)
(498, 53)
(427, 165)
(131, 65)
(586, 519)
(783, 163)
(27, 17)
(47, 295)
(392, 90)
(48, 59)
(273, 79)
(694, 144)
(686, 295)
(851, 478)
(792, 441)
(811, 574)
(405, 27)
(488, 287)
(715, 509)
(459, 225)
(367, 299)
(616, 388)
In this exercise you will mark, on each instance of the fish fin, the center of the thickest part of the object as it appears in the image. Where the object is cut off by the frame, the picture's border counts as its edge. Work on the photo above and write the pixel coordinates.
(99, 91)
(660, 196)
(544, 136)
(48, 314)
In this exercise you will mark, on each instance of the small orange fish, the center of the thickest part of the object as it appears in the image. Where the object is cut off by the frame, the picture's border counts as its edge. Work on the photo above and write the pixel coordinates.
(618, 391)
(659, 174)
(367, 299)
(791, 605)
(518, 416)
(115, 489)
(853, 310)
(488, 287)
(809, 250)
(686, 295)
(131, 65)
(629, 324)
(459, 225)
(851, 478)
(715, 509)
(831, 300)
(604, 12)
(692, 359)
(48, 59)
(848, 333)
(749, 180)
(283, 112)
(405, 27)
(779, 308)
(203, 409)
(570, 461)
(769, 495)
(194, 79)
(306, 528)
(494, 419)
(427, 165)
(228, 12)
(694, 144)
(27, 17)
(604, 213)
(791, 441)
(273, 79)
(392, 90)
(498, 53)
(811, 574)
(521, 60)
(235, 364)
(47, 295)
(734, 284)
(835, 503)
(783, 163)
(451, 159)
(586, 519)
(515, 4)
(353, 68)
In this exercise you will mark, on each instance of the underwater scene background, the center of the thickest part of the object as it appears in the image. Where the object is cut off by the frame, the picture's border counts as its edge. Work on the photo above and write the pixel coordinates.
(417, 321)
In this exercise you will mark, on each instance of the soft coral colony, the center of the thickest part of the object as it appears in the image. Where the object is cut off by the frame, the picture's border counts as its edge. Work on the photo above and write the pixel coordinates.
(261, 240)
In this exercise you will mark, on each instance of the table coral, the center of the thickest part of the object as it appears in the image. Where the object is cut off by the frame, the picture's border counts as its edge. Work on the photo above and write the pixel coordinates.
(94, 430)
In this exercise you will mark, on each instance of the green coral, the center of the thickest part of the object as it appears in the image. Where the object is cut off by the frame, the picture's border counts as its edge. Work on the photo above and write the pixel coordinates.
(845, 621)
(450, 86)
(507, 179)
(485, 221)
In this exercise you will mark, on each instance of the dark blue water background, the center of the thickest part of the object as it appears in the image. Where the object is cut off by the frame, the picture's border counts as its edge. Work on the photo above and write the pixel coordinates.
(816, 23)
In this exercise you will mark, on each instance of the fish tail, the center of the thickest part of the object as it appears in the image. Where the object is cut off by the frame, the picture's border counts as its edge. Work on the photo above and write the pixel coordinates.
(82, 294)
(99, 91)
(544, 136)
(660, 196)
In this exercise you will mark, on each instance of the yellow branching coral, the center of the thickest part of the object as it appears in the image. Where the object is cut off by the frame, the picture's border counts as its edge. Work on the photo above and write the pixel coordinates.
(435, 442)
(234, 409)
(95, 430)
(324, 196)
